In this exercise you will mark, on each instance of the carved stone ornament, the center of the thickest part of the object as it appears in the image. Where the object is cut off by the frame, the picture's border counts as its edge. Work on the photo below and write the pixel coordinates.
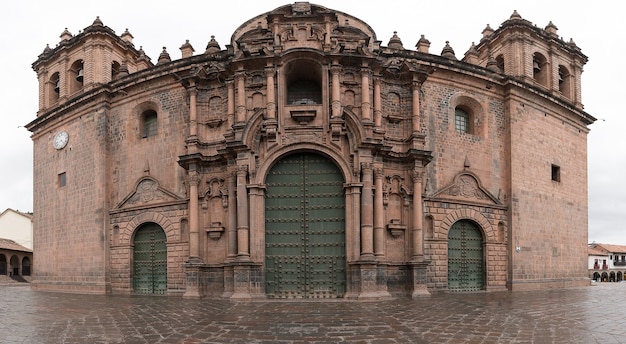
(466, 186)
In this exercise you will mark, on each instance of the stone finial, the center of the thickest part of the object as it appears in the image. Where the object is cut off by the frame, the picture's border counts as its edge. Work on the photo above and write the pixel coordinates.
(146, 168)
(515, 15)
(423, 45)
(471, 56)
(212, 47)
(487, 31)
(127, 36)
(395, 42)
(551, 29)
(66, 35)
(164, 57)
(186, 49)
(448, 52)
(97, 22)
(46, 51)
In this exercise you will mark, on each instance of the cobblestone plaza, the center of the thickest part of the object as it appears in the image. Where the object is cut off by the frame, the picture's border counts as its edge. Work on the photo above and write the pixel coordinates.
(579, 315)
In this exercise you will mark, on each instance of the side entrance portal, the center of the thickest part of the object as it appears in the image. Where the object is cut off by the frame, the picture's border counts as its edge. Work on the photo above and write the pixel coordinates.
(465, 257)
(150, 260)
(305, 239)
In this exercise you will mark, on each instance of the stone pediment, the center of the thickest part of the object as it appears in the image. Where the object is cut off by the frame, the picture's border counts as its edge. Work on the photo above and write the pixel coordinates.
(466, 187)
(148, 192)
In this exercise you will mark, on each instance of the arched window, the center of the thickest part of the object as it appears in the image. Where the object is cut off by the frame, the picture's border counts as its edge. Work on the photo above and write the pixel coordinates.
(462, 120)
(304, 81)
(149, 123)
(77, 76)
(54, 86)
(500, 62)
(540, 69)
(115, 70)
(564, 81)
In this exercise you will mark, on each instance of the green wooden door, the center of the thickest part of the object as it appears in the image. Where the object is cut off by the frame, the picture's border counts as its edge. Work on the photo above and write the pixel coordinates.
(150, 260)
(465, 257)
(305, 229)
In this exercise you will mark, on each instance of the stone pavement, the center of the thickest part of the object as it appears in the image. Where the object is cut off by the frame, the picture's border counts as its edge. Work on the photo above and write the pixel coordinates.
(595, 314)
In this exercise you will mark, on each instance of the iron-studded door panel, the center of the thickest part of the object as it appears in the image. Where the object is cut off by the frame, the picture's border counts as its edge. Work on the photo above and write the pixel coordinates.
(465, 257)
(150, 260)
(305, 229)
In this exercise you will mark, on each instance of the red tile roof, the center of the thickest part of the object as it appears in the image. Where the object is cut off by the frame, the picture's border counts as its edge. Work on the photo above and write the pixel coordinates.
(7, 244)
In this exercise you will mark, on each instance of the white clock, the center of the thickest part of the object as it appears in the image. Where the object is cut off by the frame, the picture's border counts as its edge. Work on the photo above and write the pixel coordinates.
(60, 139)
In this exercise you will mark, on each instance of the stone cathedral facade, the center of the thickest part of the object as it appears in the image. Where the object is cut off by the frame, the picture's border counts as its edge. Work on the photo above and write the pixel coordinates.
(307, 159)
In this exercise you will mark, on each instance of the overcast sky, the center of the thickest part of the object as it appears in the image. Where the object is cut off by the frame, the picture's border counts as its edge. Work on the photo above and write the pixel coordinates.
(597, 28)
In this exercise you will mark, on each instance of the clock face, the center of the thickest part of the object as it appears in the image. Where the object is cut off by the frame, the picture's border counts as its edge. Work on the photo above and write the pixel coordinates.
(60, 140)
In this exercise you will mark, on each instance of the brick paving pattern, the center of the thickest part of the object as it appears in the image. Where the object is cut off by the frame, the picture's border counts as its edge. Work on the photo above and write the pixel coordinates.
(581, 315)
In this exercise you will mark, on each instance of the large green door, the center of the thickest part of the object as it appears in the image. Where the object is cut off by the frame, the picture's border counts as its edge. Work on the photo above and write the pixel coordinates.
(150, 260)
(465, 257)
(305, 229)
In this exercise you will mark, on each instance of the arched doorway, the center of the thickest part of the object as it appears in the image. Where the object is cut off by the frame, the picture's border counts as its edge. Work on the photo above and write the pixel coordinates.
(26, 266)
(465, 257)
(596, 276)
(305, 241)
(15, 266)
(150, 260)
(3, 264)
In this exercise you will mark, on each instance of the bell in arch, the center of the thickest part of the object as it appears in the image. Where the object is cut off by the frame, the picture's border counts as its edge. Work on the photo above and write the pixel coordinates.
(79, 76)
(536, 67)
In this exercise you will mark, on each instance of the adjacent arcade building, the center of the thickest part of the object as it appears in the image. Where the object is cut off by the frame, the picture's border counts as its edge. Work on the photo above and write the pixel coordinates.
(307, 159)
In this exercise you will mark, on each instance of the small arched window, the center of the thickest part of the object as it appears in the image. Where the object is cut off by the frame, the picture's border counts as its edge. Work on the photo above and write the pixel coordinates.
(77, 76)
(500, 63)
(149, 123)
(115, 70)
(462, 120)
(564, 81)
(540, 69)
(54, 86)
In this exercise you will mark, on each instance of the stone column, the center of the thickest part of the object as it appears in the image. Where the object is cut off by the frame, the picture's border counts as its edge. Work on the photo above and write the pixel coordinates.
(194, 240)
(243, 248)
(366, 114)
(415, 118)
(379, 215)
(193, 120)
(418, 244)
(271, 96)
(240, 78)
(232, 215)
(231, 102)
(367, 250)
(378, 113)
(335, 69)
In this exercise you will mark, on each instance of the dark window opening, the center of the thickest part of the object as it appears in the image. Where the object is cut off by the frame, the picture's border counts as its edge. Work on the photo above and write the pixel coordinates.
(461, 121)
(556, 173)
(304, 92)
(149, 119)
(62, 179)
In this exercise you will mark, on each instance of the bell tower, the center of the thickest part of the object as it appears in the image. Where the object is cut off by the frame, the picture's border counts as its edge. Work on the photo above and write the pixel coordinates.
(82, 62)
(536, 56)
